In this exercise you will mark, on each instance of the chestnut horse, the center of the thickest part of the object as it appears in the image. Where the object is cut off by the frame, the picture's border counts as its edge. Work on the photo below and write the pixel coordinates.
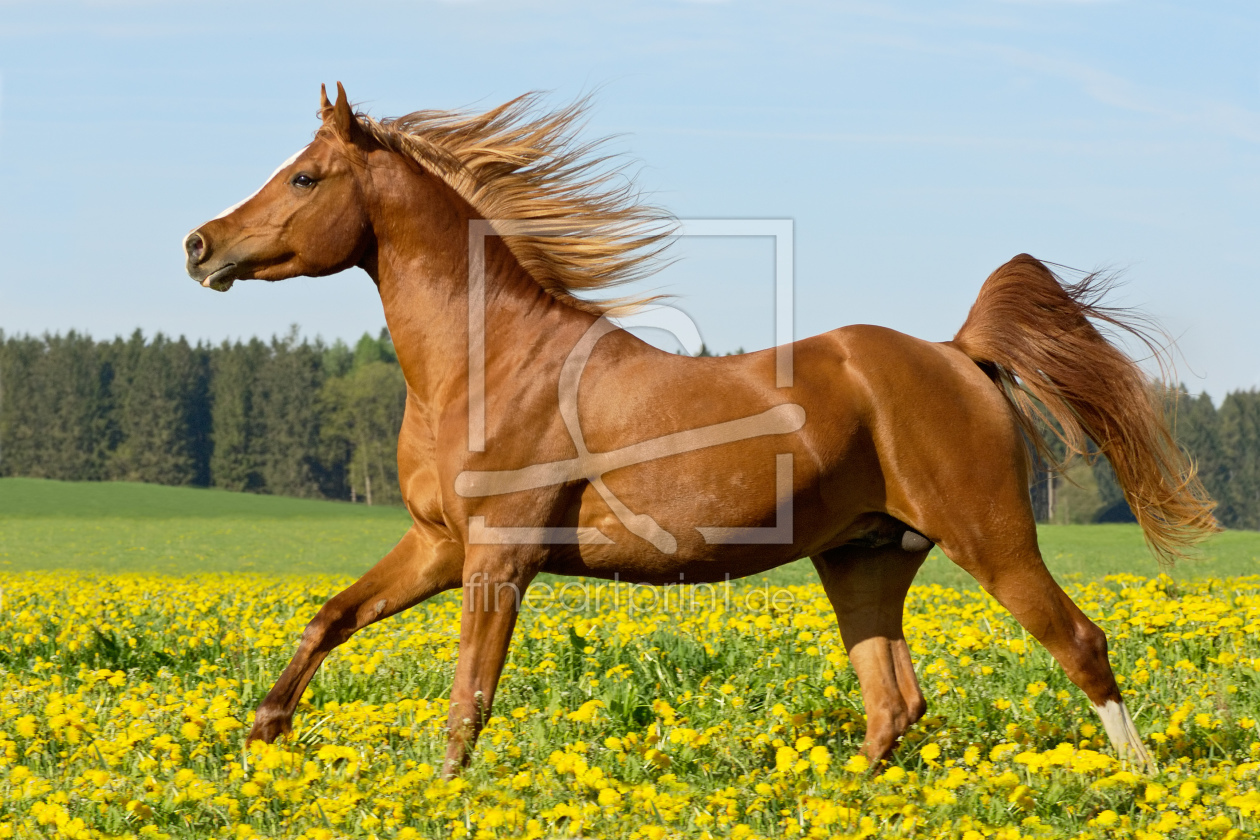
(874, 447)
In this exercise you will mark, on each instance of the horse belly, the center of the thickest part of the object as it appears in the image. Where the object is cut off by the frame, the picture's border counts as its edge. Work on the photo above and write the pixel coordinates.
(703, 519)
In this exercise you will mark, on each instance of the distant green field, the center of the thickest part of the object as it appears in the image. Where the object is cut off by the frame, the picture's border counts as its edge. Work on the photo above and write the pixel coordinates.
(120, 527)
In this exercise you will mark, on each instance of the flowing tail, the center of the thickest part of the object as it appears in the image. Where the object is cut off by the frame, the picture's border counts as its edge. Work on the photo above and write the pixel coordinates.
(1032, 334)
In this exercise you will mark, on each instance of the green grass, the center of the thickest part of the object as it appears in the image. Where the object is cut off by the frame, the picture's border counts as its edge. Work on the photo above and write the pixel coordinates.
(121, 527)
(37, 497)
(1081, 553)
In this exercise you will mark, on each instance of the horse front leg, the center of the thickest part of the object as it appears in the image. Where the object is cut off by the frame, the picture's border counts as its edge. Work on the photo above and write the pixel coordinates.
(494, 589)
(419, 567)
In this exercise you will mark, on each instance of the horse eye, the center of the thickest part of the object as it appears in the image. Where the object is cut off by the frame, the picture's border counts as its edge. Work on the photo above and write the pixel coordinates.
(303, 180)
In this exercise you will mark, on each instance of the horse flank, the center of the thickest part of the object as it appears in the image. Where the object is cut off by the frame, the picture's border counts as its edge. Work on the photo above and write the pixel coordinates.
(517, 162)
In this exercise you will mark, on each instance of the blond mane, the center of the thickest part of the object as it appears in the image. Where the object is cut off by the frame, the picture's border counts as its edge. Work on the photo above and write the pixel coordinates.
(521, 163)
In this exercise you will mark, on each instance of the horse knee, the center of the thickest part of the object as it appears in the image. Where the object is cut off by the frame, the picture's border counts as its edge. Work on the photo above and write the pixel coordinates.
(327, 629)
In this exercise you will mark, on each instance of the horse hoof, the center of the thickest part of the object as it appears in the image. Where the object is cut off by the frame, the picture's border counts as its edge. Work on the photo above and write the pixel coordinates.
(268, 726)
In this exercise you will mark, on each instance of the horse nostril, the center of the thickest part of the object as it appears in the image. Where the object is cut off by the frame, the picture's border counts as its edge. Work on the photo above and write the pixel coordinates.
(196, 246)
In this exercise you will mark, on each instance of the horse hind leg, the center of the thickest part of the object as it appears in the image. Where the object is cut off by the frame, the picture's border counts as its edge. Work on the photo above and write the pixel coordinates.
(867, 589)
(1009, 566)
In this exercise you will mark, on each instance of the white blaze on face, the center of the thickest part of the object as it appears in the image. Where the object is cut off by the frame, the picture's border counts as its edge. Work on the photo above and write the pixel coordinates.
(279, 169)
(1123, 734)
(223, 286)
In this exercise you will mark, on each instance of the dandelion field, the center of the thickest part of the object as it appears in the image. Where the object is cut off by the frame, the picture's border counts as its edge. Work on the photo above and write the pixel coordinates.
(124, 700)
(623, 712)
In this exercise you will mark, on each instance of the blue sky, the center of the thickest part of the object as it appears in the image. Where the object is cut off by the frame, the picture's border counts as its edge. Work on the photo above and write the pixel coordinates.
(916, 146)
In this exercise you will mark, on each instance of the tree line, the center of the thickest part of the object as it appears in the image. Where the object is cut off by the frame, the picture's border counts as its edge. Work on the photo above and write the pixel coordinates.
(1223, 442)
(289, 417)
(302, 418)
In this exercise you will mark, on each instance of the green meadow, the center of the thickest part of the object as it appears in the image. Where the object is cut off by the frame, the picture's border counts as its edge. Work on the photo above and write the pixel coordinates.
(120, 527)
(114, 527)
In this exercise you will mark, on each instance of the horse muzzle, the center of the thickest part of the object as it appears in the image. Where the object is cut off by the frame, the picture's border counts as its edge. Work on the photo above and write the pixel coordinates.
(210, 272)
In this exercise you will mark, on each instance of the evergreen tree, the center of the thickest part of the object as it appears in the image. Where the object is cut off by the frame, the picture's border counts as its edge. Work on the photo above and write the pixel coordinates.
(236, 425)
(380, 349)
(338, 360)
(19, 442)
(1239, 430)
(288, 385)
(56, 408)
(161, 402)
(364, 413)
(1196, 426)
(1046, 485)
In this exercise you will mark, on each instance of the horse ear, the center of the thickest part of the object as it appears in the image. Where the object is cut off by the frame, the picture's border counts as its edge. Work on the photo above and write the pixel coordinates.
(325, 107)
(339, 117)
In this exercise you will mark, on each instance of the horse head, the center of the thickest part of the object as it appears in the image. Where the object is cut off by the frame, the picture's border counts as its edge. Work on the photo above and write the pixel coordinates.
(309, 218)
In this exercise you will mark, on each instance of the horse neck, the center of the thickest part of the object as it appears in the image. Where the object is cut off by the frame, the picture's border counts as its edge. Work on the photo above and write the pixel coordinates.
(421, 268)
